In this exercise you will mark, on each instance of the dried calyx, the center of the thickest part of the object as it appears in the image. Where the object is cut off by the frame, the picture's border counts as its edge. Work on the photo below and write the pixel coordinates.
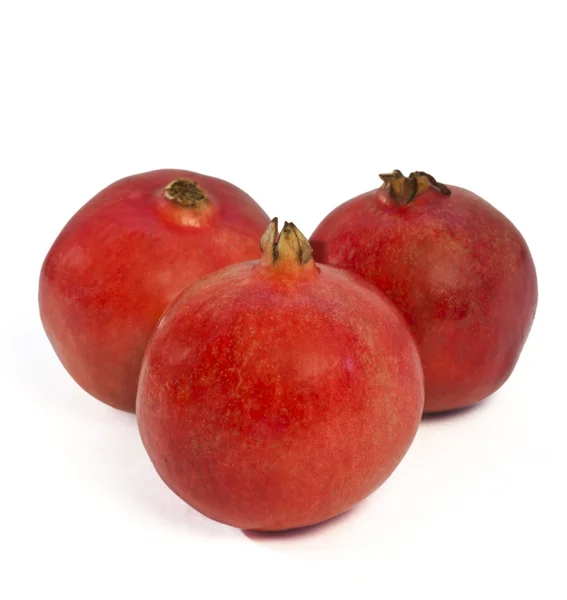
(404, 189)
(186, 193)
(290, 246)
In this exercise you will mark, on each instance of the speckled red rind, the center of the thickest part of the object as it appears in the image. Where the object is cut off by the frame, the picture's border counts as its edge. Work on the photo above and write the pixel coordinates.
(458, 270)
(120, 261)
(271, 401)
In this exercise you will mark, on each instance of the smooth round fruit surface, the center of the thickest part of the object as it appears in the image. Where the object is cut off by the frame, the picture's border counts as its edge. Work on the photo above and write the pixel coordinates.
(278, 393)
(124, 256)
(458, 270)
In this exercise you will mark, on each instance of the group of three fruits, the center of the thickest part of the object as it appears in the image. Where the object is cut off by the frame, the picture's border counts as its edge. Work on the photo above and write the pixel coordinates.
(278, 392)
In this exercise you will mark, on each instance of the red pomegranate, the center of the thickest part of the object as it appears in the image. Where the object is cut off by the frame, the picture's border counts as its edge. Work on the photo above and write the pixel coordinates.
(458, 270)
(124, 256)
(278, 393)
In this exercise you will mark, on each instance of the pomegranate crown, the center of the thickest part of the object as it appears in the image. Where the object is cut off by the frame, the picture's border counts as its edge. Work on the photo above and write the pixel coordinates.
(186, 193)
(289, 246)
(404, 189)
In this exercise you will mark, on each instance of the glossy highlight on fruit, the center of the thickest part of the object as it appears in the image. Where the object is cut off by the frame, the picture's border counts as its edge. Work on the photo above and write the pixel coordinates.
(458, 270)
(124, 256)
(278, 393)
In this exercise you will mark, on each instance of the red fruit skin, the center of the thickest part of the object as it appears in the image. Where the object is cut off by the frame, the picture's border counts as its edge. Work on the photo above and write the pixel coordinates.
(458, 270)
(271, 399)
(120, 261)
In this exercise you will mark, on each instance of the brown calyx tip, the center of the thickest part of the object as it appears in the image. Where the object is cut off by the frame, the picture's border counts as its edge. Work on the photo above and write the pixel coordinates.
(186, 192)
(289, 246)
(404, 189)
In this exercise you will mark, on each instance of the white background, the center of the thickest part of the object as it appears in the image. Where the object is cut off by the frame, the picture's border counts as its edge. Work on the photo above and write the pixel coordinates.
(301, 104)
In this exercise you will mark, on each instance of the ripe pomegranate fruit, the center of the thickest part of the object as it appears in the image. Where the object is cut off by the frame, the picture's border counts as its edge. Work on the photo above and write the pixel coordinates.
(278, 393)
(458, 270)
(124, 256)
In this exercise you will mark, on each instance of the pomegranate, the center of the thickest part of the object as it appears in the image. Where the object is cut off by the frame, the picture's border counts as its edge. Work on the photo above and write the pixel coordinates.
(458, 270)
(278, 393)
(124, 256)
